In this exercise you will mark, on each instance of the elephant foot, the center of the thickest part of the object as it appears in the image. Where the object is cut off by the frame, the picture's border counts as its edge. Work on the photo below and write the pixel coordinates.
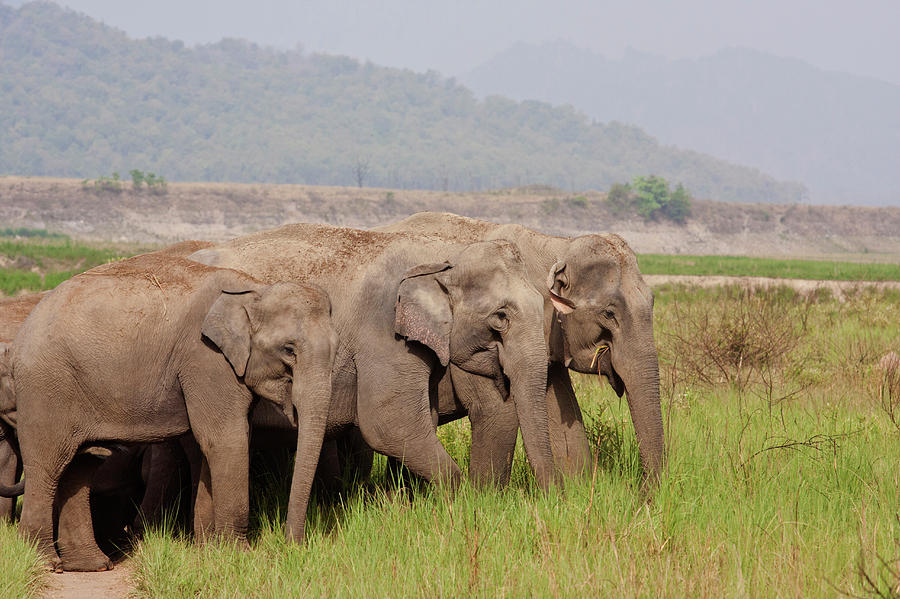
(54, 564)
(86, 563)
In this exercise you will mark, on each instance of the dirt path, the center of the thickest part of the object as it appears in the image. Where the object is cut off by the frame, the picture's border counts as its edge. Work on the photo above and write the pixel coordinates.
(839, 289)
(115, 584)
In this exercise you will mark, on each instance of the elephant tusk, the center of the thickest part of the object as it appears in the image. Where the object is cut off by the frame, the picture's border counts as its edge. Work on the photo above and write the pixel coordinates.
(601, 349)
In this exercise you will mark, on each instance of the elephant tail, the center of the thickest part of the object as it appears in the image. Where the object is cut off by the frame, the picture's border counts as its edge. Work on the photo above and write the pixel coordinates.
(13, 491)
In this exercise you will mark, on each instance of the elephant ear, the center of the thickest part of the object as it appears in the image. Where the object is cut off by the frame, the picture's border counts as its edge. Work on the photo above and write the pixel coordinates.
(556, 281)
(422, 312)
(227, 325)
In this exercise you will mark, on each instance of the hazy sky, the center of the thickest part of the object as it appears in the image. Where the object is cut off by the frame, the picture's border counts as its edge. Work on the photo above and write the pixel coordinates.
(452, 36)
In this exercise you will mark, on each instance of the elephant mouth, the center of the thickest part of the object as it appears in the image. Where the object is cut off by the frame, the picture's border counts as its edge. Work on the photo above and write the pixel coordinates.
(601, 349)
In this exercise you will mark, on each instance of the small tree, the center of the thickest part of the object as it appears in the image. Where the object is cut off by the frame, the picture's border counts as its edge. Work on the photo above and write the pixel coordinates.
(137, 178)
(678, 208)
(651, 194)
(361, 170)
(619, 198)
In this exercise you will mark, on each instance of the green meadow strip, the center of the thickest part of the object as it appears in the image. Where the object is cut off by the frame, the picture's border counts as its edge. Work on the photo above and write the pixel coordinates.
(664, 264)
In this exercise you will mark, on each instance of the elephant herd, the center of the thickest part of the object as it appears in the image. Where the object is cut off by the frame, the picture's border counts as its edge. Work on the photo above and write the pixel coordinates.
(348, 341)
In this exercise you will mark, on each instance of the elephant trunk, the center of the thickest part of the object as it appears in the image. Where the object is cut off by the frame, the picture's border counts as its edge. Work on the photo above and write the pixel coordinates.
(641, 379)
(311, 399)
(14, 490)
(525, 363)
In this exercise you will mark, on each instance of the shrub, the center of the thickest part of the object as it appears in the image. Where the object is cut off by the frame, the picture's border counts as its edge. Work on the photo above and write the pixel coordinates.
(137, 178)
(619, 198)
(651, 198)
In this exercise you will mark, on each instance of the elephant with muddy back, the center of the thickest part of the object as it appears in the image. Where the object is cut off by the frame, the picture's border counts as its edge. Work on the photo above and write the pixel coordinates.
(598, 319)
(408, 309)
(151, 347)
(117, 478)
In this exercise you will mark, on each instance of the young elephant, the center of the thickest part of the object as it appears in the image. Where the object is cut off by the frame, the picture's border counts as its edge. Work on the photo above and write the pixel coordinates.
(148, 348)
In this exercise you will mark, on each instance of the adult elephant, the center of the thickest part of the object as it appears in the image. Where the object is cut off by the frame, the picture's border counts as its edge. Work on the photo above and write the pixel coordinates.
(598, 318)
(148, 348)
(407, 309)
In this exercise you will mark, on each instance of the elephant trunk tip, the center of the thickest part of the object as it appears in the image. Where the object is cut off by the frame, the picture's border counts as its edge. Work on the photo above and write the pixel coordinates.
(14, 490)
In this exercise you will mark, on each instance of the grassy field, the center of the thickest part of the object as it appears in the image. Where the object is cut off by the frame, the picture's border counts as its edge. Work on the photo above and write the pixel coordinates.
(33, 260)
(665, 264)
(783, 480)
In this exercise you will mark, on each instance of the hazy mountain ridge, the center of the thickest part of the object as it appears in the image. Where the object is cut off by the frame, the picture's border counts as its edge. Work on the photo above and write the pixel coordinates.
(85, 100)
(837, 133)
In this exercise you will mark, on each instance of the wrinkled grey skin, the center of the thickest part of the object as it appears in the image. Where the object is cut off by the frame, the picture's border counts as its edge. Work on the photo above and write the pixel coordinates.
(406, 308)
(9, 461)
(13, 312)
(594, 295)
(145, 349)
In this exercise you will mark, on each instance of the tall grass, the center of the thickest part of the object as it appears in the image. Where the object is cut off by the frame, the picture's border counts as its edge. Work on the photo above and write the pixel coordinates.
(783, 483)
(22, 573)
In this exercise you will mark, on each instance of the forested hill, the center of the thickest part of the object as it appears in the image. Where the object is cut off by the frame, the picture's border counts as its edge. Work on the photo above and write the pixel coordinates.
(81, 99)
(837, 133)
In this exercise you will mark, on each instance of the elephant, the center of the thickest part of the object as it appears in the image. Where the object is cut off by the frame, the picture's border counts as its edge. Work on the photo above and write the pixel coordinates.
(598, 319)
(13, 312)
(149, 348)
(409, 308)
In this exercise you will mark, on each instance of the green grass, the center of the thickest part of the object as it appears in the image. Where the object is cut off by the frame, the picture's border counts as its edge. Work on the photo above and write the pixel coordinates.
(663, 264)
(39, 260)
(23, 573)
(784, 485)
(782, 481)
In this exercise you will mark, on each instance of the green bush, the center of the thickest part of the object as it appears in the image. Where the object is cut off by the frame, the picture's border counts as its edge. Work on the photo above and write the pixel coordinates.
(651, 198)
(137, 178)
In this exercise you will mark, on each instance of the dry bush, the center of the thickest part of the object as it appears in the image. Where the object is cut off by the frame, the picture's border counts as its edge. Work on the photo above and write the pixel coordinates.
(887, 386)
(739, 338)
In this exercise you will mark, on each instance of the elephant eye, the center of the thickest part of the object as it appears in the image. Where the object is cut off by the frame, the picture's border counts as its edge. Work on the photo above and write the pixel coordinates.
(499, 320)
(288, 350)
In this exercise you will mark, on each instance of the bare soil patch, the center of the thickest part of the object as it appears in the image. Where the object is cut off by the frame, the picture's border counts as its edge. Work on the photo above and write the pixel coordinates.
(114, 584)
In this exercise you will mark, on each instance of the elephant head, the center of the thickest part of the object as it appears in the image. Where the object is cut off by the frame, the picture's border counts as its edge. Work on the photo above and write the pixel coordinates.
(480, 313)
(280, 340)
(605, 313)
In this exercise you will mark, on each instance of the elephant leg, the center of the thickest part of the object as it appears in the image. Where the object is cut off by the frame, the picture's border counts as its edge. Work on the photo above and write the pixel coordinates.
(568, 440)
(204, 515)
(494, 427)
(77, 546)
(227, 476)
(9, 470)
(395, 416)
(418, 448)
(328, 473)
(43, 476)
(194, 458)
(493, 445)
(355, 457)
(161, 470)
